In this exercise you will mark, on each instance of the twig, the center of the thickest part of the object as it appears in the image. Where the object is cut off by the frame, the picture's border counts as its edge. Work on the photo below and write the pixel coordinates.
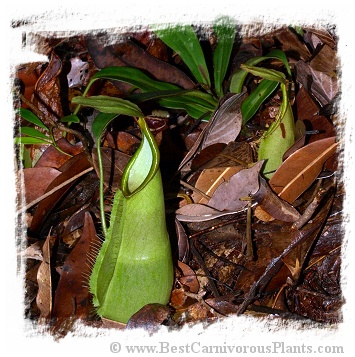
(25, 208)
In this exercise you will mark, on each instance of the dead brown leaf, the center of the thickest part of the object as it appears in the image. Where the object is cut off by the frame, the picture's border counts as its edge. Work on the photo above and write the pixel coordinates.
(301, 168)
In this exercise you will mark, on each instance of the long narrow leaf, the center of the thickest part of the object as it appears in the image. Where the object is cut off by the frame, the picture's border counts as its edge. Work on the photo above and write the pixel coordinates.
(239, 76)
(132, 76)
(252, 103)
(265, 73)
(183, 40)
(225, 31)
(34, 133)
(100, 123)
(30, 140)
(112, 105)
(32, 118)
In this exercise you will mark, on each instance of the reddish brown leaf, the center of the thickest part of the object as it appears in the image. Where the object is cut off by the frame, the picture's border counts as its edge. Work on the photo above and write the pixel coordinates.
(323, 87)
(72, 167)
(323, 125)
(72, 297)
(325, 61)
(126, 142)
(149, 317)
(306, 106)
(36, 181)
(301, 168)
(129, 54)
(48, 90)
(188, 278)
(273, 205)
(54, 158)
(210, 179)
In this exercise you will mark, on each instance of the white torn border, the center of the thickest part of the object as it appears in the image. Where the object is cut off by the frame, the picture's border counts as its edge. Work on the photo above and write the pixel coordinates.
(76, 16)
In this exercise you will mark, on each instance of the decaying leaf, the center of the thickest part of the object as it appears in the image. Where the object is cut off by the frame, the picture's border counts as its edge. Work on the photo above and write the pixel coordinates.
(36, 181)
(149, 317)
(273, 205)
(293, 256)
(72, 167)
(44, 298)
(196, 212)
(183, 243)
(72, 297)
(210, 179)
(301, 168)
(227, 197)
(223, 127)
(322, 86)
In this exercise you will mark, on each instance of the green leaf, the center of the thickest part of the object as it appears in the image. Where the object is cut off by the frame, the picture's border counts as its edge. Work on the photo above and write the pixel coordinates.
(26, 130)
(183, 40)
(265, 73)
(100, 123)
(132, 76)
(32, 118)
(239, 76)
(225, 31)
(70, 119)
(253, 102)
(29, 140)
(112, 105)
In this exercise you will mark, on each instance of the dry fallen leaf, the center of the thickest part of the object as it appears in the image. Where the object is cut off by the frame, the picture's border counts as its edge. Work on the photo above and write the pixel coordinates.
(274, 205)
(227, 197)
(44, 279)
(301, 168)
(210, 179)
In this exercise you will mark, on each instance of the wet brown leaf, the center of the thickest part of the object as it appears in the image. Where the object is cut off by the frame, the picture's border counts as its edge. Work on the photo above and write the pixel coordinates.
(300, 169)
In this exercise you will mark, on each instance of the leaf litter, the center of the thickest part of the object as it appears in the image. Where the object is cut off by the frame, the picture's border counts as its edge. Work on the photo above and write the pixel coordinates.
(216, 196)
